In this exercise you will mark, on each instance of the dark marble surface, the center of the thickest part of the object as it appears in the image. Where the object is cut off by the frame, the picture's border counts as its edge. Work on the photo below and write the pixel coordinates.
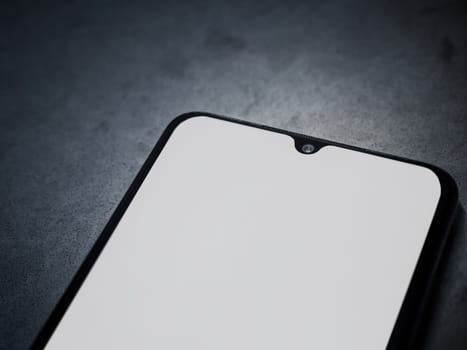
(86, 88)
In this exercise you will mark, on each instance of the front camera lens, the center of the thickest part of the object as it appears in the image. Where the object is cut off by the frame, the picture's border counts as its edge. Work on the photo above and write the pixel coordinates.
(308, 148)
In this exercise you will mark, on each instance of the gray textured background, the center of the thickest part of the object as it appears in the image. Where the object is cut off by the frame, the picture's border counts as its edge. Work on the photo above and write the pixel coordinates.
(87, 87)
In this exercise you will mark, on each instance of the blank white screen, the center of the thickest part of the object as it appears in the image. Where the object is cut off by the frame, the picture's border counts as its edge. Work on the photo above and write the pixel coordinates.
(237, 241)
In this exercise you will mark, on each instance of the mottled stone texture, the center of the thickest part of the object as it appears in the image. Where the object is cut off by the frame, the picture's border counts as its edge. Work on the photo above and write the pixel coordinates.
(86, 88)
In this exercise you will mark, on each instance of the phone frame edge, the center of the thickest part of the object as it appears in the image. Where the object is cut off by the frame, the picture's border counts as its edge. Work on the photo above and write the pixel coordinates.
(410, 320)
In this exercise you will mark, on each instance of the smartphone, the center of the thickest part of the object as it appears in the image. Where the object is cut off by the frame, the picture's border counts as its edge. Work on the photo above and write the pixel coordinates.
(241, 236)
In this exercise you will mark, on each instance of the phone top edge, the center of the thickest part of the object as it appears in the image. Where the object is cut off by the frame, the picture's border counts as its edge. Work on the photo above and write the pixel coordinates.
(448, 184)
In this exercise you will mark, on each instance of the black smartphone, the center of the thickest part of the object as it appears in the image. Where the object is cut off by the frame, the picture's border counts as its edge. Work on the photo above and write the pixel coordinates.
(241, 236)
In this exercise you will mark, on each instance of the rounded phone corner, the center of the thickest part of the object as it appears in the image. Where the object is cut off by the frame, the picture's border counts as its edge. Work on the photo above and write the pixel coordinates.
(184, 117)
(449, 188)
(188, 115)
